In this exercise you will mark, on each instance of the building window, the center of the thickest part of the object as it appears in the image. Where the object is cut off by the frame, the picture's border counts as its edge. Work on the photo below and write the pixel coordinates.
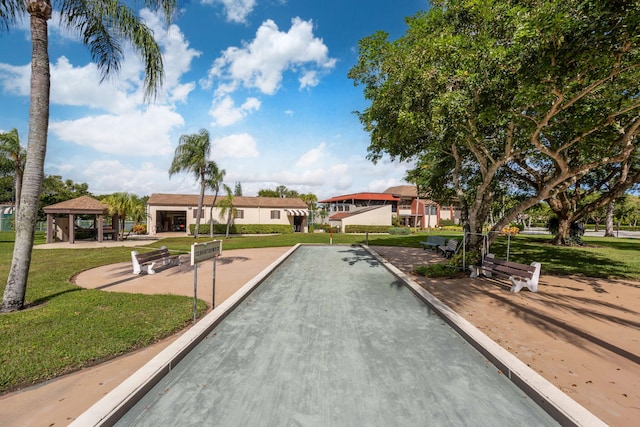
(239, 214)
(275, 214)
(195, 212)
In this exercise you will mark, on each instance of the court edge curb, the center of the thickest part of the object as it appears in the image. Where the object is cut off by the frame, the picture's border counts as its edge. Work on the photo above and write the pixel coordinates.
(554, 401)
(109, 409)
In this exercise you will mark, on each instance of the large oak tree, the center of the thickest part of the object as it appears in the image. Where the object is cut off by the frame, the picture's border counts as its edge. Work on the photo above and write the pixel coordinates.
(517, 96)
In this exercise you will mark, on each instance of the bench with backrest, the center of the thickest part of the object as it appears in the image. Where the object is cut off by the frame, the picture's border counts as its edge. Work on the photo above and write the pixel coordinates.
(433, 242)
(149, 260)
(521, 275)
(449, 249)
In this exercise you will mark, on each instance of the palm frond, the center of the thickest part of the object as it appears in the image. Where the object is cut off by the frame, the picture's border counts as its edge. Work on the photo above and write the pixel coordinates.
(10, 10)
(104, 25)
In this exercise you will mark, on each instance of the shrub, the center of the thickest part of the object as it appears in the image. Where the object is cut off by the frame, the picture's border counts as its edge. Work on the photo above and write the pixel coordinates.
(511, 230)
(243, 229)
(399, 230)
(366, 228)
(437, 270)
(139, 229)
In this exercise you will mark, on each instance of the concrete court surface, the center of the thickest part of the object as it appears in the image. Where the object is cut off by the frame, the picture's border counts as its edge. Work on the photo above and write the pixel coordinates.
(332, 337)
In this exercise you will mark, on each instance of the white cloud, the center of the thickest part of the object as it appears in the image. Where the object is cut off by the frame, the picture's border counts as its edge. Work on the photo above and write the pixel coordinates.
(236, 145)
(312, 156)
(14, 79)
(110, 176)
(236, 10)
(225, 112)
(141, 133)
(261, 63)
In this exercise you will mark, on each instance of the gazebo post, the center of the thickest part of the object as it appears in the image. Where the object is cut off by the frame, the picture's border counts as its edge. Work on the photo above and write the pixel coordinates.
(72, 228)
(50, 238)
(100, 229)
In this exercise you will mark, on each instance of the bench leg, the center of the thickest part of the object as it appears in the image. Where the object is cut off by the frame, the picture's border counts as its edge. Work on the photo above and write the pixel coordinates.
(150, 269)
(134, 261)
(531, 284)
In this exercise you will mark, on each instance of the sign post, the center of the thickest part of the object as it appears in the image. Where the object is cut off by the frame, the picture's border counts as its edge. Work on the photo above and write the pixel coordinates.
(202, 252)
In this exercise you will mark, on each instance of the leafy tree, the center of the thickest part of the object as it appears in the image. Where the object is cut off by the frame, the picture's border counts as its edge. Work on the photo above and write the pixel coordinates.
(102, 26)
(238, 189)
(533, 94)
(126, 206)
(55, 190)
(593, 192)
(280, 191)
(14, 157)
(120, 204)
(214, 179)
(191, 156)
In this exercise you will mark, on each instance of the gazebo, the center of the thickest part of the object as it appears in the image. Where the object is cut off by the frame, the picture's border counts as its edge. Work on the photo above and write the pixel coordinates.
(61, 219)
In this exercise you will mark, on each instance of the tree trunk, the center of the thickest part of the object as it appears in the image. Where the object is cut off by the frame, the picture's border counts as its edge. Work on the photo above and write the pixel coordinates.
(213, 204)
(14, 293)
(564, 226)
(229, 222)
(200, 204)
(609, 232)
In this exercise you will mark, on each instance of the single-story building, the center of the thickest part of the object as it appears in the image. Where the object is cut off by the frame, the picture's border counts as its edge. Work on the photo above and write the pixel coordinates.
(177, 212)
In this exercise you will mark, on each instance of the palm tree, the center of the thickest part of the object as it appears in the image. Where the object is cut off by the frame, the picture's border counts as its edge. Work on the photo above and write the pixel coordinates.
(191, 156)
(120, 204)
(227, 209)
(215, 176)
(16, 154)
(102, 26)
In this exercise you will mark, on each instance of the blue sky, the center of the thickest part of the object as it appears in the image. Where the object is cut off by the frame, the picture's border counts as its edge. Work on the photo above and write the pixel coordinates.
(267, 79)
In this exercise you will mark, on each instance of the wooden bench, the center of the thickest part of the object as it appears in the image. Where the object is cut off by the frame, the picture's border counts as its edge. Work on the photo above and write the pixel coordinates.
(148, 260)
(521, 275)
(449, 249)
(433, 242)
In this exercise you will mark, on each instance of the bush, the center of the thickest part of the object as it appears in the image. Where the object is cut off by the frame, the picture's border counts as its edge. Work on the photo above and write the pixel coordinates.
(446, 223)
(366, 228)
(243, 229)
(399, 231)
(139, 229)
(437, 270)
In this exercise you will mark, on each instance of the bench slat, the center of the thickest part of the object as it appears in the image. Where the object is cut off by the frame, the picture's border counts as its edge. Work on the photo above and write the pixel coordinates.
(508, 267)
(148, 257)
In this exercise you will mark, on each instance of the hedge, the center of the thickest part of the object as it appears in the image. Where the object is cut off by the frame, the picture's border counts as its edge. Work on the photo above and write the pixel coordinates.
(366, 228)
(243, 229)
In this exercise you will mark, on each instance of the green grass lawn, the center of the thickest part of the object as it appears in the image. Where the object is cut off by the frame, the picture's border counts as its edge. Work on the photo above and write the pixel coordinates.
(66, 327)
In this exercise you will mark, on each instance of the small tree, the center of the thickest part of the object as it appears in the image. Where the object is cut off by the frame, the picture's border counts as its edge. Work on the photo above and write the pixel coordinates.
(214, 178)
(191, 156)
(227, 209)
(15, 155)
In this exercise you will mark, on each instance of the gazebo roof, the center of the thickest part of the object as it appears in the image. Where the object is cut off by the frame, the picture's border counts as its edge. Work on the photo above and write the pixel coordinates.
(80, 205)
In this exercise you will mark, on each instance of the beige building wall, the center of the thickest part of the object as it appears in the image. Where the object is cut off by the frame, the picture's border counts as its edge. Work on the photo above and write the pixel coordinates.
(378, 216)
(250, 215)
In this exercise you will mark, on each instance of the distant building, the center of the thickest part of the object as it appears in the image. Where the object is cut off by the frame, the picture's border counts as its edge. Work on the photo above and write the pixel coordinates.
(400, 203)
(176, 212)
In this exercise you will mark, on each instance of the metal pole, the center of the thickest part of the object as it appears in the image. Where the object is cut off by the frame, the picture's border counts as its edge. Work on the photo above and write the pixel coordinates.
(195, 292)
(213, 292)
